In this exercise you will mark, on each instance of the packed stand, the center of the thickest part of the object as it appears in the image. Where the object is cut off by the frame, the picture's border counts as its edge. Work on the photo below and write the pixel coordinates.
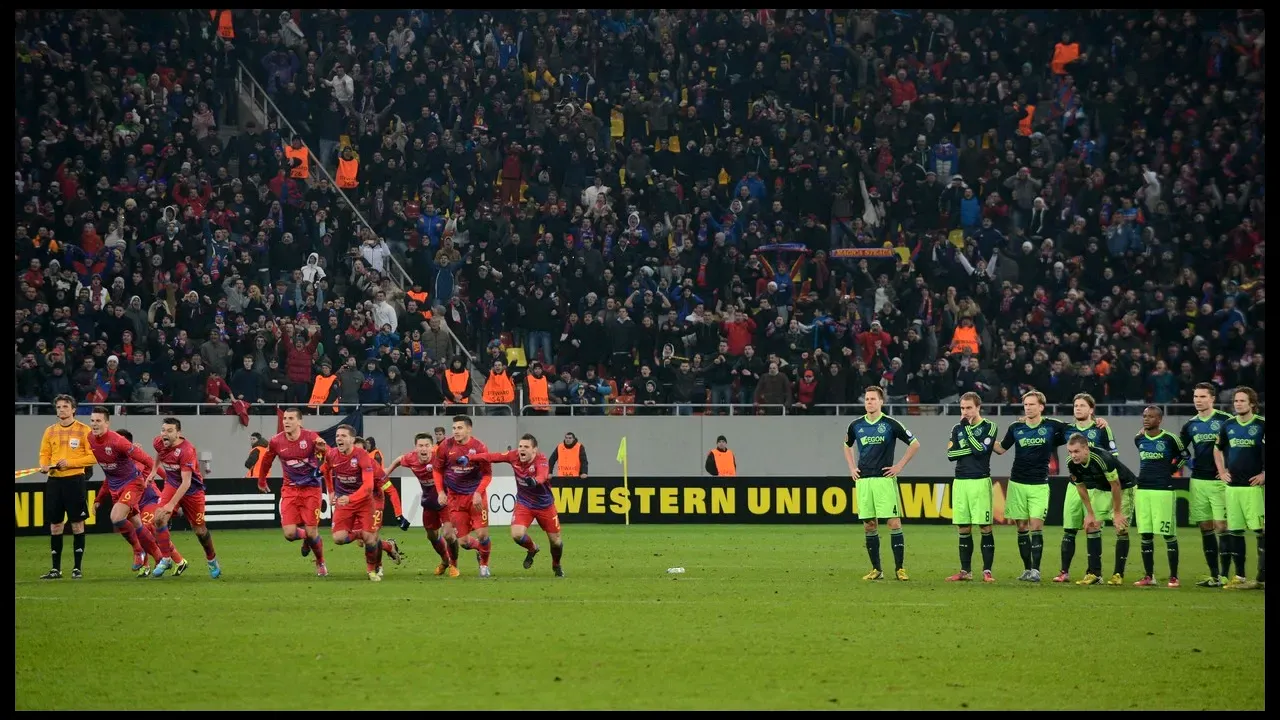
(778, 208)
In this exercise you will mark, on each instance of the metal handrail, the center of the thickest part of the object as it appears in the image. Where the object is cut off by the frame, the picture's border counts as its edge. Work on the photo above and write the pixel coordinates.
(162, 408)
(399, 276)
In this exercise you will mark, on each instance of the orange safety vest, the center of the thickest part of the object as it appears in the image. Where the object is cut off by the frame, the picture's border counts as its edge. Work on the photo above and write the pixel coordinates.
(498, 389)
(457, 384)
(421, 298)
(320, 391)
(726, 465)
(303, 171)
(1024, 125)
(347, 172)
(257, 464)
(226, 30)
(538, 395)
(965, 340)
(1063, 54)
(569, 460)
(377, 459)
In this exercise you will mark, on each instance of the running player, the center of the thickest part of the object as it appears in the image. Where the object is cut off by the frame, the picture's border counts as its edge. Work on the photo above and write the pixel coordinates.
(420, 461)
(970, 450)
(1104, 487)
(183, 486)
(1160, 455)
(1100, 439)
(299, 451)
(147, 511)
(119, 459)
(1208, 494)
(1240, 457)
(875, 477)
(382, 487)
(351, 486)
(467, 480)
(534, 500)
(1036, 440)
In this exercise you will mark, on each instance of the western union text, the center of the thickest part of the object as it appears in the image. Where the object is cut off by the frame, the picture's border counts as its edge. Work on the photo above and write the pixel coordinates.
(918, 500)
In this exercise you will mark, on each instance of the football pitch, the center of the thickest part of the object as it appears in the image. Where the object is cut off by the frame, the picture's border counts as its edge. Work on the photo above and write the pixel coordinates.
(765, 617)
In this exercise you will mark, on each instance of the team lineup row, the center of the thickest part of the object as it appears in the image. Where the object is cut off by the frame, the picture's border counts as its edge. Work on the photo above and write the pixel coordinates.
(1225, 453)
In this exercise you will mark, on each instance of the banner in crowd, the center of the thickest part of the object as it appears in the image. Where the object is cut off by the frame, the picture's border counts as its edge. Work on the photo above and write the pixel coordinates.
(236, 502)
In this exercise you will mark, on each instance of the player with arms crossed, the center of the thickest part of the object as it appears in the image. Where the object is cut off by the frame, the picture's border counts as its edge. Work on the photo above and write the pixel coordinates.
(420, 461)
(1104, 487)
(351, 486)
(1036, 440)
(299, 451)
(183, 487)
(1208, 494)
(147, 510)
(970, 449)
(467, 480)
(1240, 457)
(1100, 439)
(875, 477)
(120, 459)
(534, 500)
(1159, 456)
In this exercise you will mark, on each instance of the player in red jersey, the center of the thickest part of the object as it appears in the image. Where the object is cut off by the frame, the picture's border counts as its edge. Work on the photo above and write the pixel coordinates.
(300, 451)
(382, 488)
(350, 480)
(119, 459)
(420, 461)
(467, 480)
(183, 486)
(534, 500)
(147, 512)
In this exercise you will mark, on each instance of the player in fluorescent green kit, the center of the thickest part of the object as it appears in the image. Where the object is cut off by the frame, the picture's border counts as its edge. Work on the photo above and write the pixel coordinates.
(1101, 440)
(1160, 455)
(1036, 440)
(1104, 487)
(1208, 494)
(875, 477)
(970, 449)
(1240, 457)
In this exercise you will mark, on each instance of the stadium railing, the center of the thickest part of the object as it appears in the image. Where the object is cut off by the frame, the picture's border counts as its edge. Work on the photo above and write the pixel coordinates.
(249, 87)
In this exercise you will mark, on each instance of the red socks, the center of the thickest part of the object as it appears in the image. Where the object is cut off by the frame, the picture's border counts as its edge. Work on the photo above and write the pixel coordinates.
(373, 556)
(442, 549)
(386, 546)
(317, 547)
(165, 543)
(527, 543)
(206, 542)
(483, 548)
(557, 549)
(144, 538)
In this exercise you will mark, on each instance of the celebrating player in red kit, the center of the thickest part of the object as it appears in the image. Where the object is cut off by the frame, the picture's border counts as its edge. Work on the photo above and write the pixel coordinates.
(467, 480)
(420, 461)
(119, 459)
(147, 512)
(299, 451)
(183, 486)
(382, 487)
(351, 486)
(534, 500)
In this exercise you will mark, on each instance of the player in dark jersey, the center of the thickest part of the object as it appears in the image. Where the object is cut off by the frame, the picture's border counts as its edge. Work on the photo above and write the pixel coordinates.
(1160, 455)
(1240, 456)
(1208, 494)
(1036, 439)
(1105, 489)
(875, 477)
(970, 449)
(1100, 439)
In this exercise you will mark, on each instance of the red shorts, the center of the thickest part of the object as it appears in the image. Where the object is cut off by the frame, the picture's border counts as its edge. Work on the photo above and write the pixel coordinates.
(130, 495)
(432, 518)
(547, 518)
(377, 517)
(300, 506)
(192, 504)
(464, 515)
(148, 513)
(353, 518)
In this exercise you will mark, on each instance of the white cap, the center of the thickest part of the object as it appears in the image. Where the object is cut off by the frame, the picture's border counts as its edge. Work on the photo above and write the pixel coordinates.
(113, 359)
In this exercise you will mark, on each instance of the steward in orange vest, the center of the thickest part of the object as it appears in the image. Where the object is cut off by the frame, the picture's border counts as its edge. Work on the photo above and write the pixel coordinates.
(226, 30)
(300, 168)
(1064, 53)
(257, 451)
(720, 460)
(348, 170)
(965, 339)
(420, 296)
(498, 388)
(325, 388)
(569, 459)
(457, 383)
(537, 394)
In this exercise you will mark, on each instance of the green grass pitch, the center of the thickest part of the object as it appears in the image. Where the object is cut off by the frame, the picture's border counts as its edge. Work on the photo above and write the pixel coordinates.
(764, 617)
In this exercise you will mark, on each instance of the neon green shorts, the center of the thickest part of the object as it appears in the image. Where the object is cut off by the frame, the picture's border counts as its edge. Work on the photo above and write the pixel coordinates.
(1156, 511)
(877, 498)
(1026, 502)
(1208, 500)
(1245, 508)
(1073, 507)
(971, 501)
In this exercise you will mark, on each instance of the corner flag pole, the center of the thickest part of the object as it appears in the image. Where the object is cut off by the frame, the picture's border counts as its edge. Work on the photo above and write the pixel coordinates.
(622, 458)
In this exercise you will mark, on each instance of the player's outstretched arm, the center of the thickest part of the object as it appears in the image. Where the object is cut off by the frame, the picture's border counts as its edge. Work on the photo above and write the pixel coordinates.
(265, 468)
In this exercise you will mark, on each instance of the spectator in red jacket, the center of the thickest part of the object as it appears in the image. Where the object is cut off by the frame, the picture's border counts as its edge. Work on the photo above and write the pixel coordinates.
(872, 341)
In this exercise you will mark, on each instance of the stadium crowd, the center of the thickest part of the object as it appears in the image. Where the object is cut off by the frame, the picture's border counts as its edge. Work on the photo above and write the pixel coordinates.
(766, 207)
